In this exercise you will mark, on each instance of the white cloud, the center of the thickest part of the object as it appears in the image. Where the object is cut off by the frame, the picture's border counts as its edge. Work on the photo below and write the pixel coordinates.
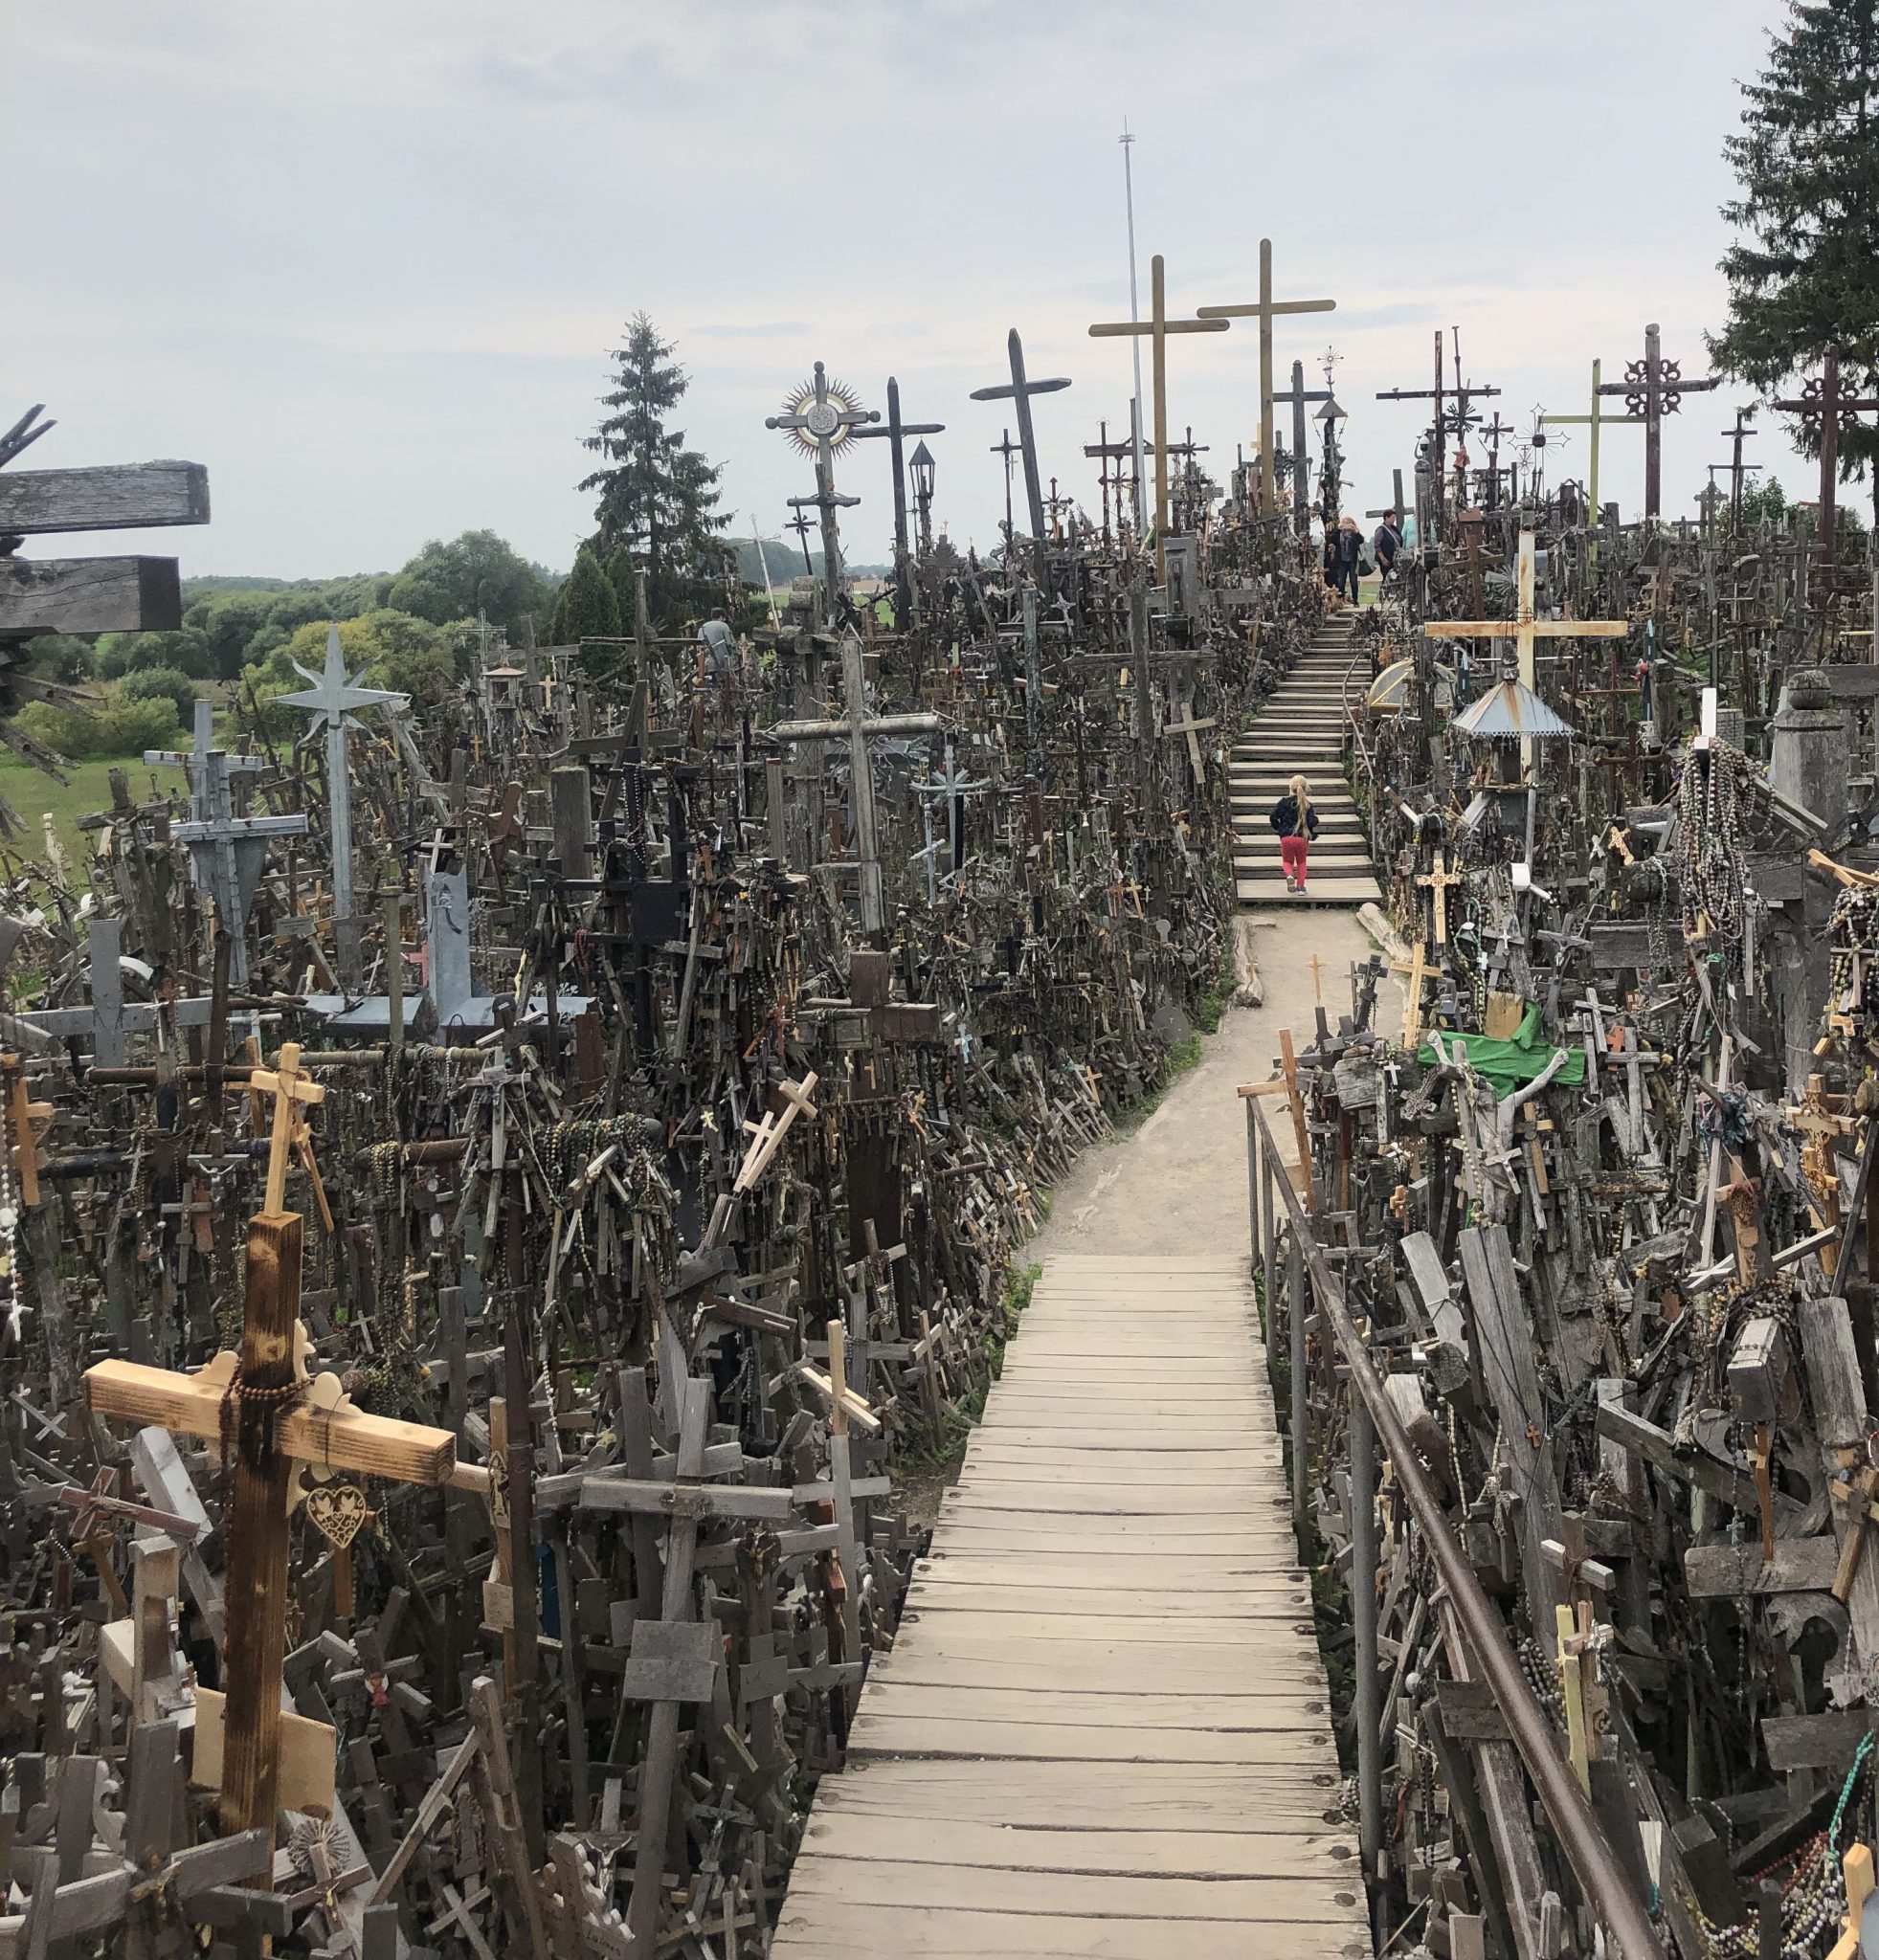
(364, 261)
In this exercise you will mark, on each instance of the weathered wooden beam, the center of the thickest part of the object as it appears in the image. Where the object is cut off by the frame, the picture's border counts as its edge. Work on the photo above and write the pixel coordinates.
(119, 497)
(90, 595)
(340, 1438)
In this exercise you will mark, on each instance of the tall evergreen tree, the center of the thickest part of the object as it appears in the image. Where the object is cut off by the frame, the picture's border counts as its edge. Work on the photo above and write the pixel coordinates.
(1805, 275)
(586, 609)
(657, 498)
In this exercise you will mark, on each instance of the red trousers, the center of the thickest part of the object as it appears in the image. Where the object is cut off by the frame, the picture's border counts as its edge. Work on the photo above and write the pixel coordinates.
(1291, 854)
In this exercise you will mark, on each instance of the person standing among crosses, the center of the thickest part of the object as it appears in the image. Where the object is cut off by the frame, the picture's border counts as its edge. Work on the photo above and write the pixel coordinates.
(1296, 823)
(1350, 557)
(1386, 541)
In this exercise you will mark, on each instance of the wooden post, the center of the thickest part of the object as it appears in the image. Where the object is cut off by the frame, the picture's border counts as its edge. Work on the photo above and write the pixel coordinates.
(256, 1593)
(1252, 1204)
(1363, 1624)
(1301, 1401)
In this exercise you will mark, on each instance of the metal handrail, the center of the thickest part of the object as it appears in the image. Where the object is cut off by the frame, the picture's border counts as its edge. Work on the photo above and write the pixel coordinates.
(1593, 1859)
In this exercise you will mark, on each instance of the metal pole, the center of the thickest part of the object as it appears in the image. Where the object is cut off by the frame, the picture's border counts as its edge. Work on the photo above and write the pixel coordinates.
(1134, 313)
(1363, 1626)
(1606, 1885)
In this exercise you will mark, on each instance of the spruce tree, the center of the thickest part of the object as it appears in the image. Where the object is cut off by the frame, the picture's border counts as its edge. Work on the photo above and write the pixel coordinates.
(1806, 273)
(587, 608)
(658, 500)
(622, 575)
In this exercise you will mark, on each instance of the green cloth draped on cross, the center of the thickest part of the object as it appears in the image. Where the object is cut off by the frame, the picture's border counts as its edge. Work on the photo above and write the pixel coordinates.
(1505, 1065)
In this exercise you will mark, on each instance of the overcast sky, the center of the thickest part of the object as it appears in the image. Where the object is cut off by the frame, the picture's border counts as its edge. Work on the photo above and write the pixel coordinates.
(365, 261)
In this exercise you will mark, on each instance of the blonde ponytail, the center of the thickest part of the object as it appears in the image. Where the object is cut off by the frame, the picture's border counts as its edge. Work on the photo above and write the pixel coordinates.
(1302, 795)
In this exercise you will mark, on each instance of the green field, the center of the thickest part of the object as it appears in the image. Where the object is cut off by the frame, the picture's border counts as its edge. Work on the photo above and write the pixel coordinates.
(33, 795)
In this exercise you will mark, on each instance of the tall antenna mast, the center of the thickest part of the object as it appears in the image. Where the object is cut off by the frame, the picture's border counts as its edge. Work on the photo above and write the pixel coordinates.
(1135, 315)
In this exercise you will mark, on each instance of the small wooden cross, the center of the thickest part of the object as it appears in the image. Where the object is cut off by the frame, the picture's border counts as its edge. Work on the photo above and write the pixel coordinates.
(1857, 1868)
(26, 1122)
(289, 1088)
(1418, 969)
(1438, 879)
(1317, 966)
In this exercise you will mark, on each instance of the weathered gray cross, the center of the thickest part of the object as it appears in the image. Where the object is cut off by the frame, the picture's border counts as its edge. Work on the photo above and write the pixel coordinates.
(331, 698)
(1019, 393)
(226, 851)
(855, 728)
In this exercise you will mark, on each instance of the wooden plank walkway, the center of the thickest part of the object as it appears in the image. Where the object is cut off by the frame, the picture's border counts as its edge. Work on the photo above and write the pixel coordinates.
(1103, 1727)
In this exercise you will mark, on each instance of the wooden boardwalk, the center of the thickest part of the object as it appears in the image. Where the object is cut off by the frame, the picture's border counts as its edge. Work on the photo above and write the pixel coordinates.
(1103, 1728)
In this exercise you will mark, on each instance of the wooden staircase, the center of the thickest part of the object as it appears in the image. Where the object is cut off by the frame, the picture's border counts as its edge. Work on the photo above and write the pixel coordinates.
(1300, 731)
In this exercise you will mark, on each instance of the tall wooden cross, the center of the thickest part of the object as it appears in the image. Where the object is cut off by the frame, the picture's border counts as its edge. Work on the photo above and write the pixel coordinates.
(1826, 411)
(896, 432)
(330, 698)
(1594, 421)
(1652, 389)
(278, 1419)
(1158, 326)
(1737, 469)
(1524, 629)
(1018, 392)
(1262, 310)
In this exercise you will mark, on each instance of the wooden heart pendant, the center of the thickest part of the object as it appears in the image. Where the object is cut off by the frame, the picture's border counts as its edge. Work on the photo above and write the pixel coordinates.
(335, 1511)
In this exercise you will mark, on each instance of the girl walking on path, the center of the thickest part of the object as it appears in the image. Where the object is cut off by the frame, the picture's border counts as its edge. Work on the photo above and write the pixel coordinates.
(1297, 824)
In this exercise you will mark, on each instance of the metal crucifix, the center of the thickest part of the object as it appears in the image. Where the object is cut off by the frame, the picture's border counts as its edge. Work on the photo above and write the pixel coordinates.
(1652, 389)
(226, 851)
(823, 417)
(1826, 411)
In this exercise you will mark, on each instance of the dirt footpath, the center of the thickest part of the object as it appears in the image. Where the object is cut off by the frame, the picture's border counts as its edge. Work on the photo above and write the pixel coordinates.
(1176, 1183)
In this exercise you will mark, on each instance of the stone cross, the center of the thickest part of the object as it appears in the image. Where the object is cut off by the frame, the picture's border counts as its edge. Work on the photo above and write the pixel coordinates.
(330, 698)
(1158, 326)
(1262, 311)
(1652, 389)
(226, 851)
(1019, 393)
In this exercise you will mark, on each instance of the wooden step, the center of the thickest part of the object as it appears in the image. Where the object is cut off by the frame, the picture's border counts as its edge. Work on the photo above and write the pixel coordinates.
(1318, 891)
